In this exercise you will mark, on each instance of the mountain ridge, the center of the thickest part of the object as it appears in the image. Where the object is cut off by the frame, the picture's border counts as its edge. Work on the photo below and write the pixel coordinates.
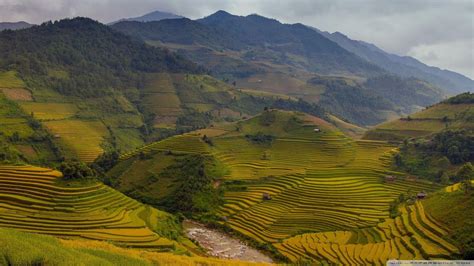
(406, 66)
(14, 25)
(152, 16)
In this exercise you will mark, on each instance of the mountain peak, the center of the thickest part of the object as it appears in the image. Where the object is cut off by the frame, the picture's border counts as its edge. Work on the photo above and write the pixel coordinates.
(14, 25)
(220, 14)
(152, 16)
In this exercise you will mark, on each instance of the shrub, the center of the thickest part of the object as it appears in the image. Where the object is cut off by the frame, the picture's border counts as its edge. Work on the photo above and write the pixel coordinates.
(76, 170)
(260, 138)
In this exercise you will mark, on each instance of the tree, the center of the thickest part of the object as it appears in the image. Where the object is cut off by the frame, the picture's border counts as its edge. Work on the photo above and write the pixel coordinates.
(444, 179)
(398, 160)
(15, 137)
(76, 170)
(444, 162)
(454, 154)
(466, 174)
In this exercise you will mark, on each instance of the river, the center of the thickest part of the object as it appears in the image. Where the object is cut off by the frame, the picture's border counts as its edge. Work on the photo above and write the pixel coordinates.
(220, 245)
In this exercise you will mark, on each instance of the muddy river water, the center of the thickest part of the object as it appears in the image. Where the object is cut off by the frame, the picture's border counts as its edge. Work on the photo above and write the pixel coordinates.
(220, 245)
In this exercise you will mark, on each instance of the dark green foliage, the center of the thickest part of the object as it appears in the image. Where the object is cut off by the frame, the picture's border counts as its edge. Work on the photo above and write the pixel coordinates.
(193, 120)
(15, 137)
(7, 153)
(222, 31)
(465, 174)
(432, 158)
(106, 161)
(267, 118)
(93, 57)
(261, 138)
(195, 194)
(76, 170)
(256, 31)
(207, 140)
(457, 146)
(183, 31)
(404, 92)
(353, 102)
(461, 98)
(300, 106)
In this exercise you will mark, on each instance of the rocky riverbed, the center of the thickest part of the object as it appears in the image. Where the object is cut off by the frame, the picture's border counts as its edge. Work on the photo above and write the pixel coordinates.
(221, 245)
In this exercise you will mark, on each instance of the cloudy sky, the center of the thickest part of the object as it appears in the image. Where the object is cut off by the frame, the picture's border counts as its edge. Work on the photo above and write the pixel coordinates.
(438, 32)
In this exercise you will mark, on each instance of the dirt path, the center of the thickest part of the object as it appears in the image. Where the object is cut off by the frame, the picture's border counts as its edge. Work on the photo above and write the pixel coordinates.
(220, 245)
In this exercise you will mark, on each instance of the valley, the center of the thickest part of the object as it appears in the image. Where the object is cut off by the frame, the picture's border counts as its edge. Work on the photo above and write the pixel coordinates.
(227, 140)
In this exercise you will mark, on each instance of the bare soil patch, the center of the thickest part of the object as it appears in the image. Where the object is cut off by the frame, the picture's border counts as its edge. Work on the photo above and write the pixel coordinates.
(17, 94)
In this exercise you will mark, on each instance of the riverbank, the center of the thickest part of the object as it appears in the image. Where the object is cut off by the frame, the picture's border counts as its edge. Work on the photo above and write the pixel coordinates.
(220, 245)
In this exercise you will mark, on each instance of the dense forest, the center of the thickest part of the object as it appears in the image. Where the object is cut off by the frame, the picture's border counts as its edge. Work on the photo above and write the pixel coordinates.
(82, 57)
(436, 157)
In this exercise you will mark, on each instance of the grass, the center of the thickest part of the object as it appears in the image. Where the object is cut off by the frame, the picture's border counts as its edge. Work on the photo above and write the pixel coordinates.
(323, 185)
(12, 119)
(52, 251)
(35, 201)
(454, 210)
(49, 111)
(10, 79)
(80, 138)
(391, 239)
(433, 119)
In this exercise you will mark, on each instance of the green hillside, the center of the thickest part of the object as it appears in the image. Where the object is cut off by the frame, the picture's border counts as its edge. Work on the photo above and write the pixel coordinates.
(455, 209)
(437, 141)
(38, 200)
(52, 251)
(131, 94)
(298, 61)
(187, 142)
(259, 181)
(452, 114)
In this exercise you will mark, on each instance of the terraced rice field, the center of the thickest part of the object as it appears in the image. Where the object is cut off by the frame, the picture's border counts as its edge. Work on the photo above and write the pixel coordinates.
(49, 111)
(324, 184)
(413, 235)
(80, 138)
(329, 183)
(159, 96)
(187, 144)
(32, 201)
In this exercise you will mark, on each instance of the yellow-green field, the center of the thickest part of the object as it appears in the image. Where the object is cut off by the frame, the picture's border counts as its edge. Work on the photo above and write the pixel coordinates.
(49, 111)
(414, 235)
(320, 182)
(33, 201)
(12, 119)
(10, 79)
(80, 138)
(47, 250)
(159, 96)
(431, 120)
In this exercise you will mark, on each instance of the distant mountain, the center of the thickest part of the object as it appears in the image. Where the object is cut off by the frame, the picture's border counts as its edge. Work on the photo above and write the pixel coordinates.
(14, 25)
(153, 16)
(286, 40)
(263, 54)
(451, 82)
(182, 31)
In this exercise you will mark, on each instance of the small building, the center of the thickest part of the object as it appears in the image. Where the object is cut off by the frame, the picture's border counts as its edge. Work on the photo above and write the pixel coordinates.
(390, 178)
(421, 195)
(57, 136)
(317, 130)
(266, 196)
